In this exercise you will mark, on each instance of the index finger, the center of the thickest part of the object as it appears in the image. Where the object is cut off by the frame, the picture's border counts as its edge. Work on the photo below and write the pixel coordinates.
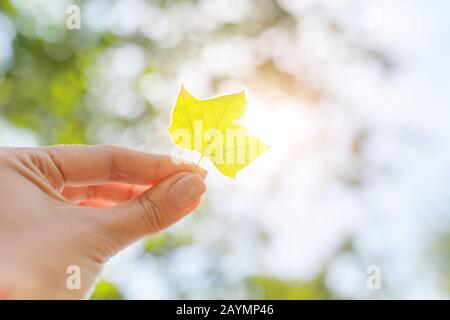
(95, 164)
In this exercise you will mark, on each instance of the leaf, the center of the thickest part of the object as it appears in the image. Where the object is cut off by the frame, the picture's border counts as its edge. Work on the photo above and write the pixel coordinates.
(210, 126)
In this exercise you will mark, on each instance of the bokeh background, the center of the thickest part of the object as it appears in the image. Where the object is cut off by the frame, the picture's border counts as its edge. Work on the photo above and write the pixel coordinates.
(353, 97)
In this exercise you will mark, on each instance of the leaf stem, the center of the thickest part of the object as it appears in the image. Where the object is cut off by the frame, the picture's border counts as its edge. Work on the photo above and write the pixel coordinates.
(198, 162)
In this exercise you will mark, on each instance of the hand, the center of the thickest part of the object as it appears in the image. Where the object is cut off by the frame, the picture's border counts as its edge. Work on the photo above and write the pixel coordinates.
(79, 205)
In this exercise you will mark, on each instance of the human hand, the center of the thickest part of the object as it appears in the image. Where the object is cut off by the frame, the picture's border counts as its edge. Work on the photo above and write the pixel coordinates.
(80, 205)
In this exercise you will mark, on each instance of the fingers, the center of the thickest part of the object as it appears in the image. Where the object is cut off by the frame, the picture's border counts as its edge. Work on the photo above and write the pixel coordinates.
(82, 165)
(110, 192)
(156, 209)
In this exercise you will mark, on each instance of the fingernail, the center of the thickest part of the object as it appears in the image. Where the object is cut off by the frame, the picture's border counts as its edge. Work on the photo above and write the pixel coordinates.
(203, 173)
(186, 190)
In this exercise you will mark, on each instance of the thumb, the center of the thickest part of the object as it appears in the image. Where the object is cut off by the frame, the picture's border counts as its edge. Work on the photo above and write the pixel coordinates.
(157, 208)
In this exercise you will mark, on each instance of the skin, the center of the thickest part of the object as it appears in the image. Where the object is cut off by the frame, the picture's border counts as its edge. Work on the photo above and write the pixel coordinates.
(80, 205)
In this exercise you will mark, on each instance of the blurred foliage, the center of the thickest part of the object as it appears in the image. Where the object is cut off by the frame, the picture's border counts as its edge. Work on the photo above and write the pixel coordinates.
(272, 289)
(441, 251)
(164, 243)
(105, 290)
(43, 94)
(46, 87)
(44, 90)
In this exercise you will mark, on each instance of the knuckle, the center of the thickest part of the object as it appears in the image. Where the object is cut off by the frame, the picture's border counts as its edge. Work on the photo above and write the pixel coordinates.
(14, 157)
(47, 164)
(152, 211)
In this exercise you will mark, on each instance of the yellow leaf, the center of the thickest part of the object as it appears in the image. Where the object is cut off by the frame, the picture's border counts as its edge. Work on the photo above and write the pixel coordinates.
(210, 127)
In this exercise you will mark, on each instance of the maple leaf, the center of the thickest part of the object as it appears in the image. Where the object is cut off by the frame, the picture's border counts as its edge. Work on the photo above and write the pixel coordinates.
(210, 127)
